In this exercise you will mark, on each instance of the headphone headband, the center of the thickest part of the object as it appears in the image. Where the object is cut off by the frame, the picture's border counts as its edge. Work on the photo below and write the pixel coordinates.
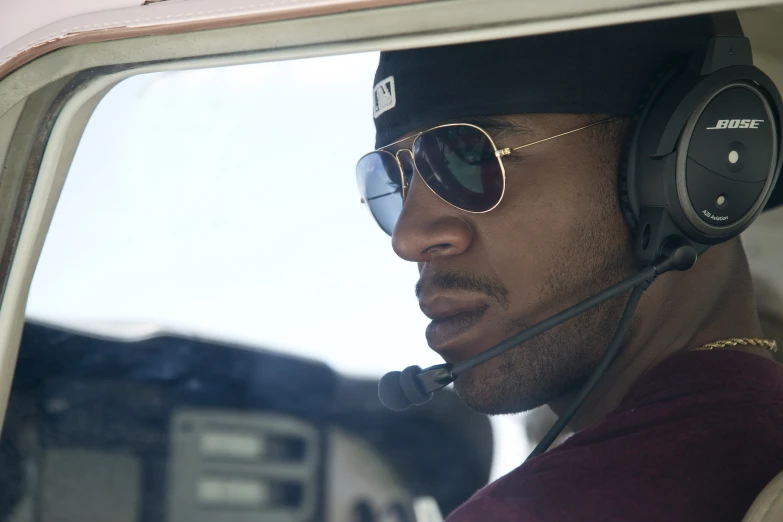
(726, 23)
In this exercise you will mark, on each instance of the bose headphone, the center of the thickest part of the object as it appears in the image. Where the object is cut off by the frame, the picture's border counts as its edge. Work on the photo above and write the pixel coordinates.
(703, 153)
(700, 163)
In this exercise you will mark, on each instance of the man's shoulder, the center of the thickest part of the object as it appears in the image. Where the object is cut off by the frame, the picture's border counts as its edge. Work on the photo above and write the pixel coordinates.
(701, 432)
(696, 396)
(721, 376)
(486, 506)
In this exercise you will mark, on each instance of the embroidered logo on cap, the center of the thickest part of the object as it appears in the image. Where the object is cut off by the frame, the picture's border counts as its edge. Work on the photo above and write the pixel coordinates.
(384, 96)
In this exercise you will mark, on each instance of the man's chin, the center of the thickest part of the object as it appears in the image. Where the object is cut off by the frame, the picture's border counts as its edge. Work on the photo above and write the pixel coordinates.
(488, 390)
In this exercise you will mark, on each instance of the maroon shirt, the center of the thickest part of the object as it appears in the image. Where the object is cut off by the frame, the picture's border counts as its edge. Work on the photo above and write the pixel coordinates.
(696, 440)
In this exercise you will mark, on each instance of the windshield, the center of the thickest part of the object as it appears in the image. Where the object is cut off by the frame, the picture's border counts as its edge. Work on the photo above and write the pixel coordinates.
(211, 220)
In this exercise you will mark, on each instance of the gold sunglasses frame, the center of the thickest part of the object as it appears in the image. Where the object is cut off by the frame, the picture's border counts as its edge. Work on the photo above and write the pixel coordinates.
(499, 155)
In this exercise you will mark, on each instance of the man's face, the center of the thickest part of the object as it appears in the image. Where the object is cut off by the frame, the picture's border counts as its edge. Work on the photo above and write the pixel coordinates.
(557, 237)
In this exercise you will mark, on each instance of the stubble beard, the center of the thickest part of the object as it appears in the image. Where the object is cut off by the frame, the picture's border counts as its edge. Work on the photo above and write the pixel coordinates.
(558, 360)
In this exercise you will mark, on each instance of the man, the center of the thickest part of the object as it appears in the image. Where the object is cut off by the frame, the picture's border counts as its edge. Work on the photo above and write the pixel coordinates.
(671, 432)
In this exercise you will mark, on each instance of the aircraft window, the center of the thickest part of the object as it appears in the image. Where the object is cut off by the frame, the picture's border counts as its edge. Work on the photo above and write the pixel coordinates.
(211, 313)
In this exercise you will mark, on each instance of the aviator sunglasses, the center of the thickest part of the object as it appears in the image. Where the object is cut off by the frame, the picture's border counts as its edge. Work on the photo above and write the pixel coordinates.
(459, 162)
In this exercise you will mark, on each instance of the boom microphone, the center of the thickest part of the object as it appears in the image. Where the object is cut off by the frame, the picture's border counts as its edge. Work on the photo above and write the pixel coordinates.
(413, 386)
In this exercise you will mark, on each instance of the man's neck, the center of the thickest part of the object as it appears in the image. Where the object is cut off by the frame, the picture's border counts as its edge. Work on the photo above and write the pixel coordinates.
(671, 320)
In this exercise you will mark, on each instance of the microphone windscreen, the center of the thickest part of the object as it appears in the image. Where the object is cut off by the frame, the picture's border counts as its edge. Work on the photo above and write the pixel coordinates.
(390, 392)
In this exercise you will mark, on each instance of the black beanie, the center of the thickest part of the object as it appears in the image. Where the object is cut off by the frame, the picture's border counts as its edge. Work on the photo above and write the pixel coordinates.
(593, 71)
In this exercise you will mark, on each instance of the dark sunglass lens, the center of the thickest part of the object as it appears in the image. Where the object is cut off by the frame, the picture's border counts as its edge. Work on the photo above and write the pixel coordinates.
(380, 184)
(458, 163)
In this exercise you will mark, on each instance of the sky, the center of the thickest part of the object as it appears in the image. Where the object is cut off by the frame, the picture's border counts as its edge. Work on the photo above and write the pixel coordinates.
(223, 203)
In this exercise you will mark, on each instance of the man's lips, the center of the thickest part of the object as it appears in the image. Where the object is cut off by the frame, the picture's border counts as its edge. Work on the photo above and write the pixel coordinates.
(452, 319)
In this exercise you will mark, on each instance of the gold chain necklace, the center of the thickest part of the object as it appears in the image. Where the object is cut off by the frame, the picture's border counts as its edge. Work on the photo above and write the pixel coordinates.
(772, 346)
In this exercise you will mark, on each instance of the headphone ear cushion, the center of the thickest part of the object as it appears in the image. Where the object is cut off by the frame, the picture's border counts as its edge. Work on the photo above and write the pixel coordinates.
(622, 180)
(654, 87)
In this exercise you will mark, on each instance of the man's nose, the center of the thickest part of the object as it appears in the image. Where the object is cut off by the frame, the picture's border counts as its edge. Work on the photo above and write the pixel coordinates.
(429, 227)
